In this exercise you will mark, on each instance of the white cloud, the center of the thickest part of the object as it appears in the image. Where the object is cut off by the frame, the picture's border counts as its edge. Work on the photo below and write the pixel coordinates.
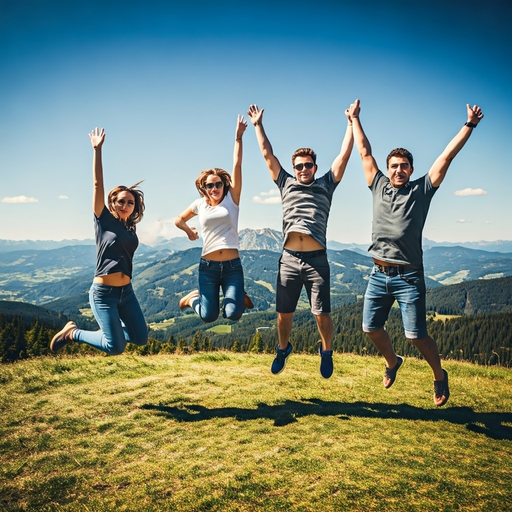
(20, 199)
(158, 230)
(464, 221)
(270, 197)
(488, 222)
(62, 197)
(471, 192)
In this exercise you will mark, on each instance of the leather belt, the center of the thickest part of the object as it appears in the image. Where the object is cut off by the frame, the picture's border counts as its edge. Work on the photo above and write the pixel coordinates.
(306, 254)
(393, 269)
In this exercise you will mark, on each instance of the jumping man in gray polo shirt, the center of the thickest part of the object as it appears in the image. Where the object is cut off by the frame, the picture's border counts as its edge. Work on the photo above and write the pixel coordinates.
(400, 208)
(306, 203)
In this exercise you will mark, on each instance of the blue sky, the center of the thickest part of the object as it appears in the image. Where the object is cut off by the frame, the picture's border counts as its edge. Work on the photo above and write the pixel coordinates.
(167, 79)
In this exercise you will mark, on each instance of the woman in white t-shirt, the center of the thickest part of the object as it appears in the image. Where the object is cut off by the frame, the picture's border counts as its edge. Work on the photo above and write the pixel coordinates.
(220, 265)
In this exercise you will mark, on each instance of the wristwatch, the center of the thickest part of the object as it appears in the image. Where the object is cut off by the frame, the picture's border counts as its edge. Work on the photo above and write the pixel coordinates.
(470, 125)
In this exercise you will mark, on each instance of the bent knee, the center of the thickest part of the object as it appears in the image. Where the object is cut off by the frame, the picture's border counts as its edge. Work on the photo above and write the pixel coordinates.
(115, 350)
(140, 341)
(208, 319)
(233, 313)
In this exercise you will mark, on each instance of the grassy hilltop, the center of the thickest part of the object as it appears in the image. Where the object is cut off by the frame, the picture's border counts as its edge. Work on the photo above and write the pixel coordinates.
(217, 432)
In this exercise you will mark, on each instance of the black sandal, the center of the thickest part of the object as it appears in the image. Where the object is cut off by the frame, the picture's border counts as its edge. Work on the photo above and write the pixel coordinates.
(390, 373)
(441, 390)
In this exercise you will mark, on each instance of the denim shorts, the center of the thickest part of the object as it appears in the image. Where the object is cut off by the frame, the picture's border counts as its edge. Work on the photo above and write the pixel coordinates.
(405, 285)
(309, 269)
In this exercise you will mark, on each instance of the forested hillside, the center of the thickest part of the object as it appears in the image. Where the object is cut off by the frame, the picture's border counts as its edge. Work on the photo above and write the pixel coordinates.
(472, 297)
(483, 339)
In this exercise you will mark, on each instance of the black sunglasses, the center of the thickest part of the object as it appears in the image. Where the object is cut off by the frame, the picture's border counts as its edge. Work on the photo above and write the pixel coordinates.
(307, 165)
(217, 184)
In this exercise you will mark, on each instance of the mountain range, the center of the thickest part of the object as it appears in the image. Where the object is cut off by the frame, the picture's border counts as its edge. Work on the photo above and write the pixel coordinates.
(59, 278)
(250, 239)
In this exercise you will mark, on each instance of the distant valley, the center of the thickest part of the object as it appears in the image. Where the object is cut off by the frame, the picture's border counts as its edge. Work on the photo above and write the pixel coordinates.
(60, 277)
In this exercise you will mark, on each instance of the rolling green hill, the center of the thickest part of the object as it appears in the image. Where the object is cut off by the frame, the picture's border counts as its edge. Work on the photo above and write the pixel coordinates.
(217, 432)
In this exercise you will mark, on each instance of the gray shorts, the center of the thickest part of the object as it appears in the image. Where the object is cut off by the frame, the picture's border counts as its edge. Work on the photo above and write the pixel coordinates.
(309, 269)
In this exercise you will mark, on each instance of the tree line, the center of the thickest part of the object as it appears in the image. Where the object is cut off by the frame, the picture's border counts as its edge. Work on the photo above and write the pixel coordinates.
(483, 339)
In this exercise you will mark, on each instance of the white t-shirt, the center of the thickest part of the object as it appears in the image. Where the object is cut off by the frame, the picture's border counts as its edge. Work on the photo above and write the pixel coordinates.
(219, 224)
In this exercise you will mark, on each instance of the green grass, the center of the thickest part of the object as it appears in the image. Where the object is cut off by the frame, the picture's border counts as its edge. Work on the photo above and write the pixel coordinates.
(217, 432)
(164, 324)
(220, 329)
(443, 318)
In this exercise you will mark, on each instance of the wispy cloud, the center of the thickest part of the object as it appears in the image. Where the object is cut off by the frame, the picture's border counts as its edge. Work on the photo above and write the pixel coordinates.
(270, 197)
(20, 199)
(471, 192)
(62, 197)
(464, 221)
(152, 232)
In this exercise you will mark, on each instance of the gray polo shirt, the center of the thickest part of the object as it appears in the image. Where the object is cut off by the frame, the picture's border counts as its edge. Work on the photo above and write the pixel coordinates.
(306, 207)
(399, 215)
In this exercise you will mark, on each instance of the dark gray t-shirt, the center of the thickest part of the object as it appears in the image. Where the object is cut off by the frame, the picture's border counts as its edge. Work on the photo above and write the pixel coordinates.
(306, 207)
(399, 215)
(115, 245)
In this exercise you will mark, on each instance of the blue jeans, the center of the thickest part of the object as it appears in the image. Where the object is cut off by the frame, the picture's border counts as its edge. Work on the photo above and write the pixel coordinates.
(119, 316)
(409, 290)
(214, 275)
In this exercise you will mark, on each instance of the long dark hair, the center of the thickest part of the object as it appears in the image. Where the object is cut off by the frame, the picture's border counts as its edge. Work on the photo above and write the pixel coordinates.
(138, 196)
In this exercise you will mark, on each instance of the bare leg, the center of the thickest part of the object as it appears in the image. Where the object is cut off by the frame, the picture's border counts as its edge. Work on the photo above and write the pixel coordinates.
(382, 342)
(325, 328)
(428, 348)
(284, 328)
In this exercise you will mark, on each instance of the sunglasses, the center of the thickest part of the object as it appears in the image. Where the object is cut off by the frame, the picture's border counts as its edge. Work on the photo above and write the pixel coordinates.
(307, 165)
(122, 202)
(217, 184)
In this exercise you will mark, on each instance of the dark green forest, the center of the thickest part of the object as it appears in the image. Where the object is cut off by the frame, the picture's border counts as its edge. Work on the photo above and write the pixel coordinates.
(484, 339)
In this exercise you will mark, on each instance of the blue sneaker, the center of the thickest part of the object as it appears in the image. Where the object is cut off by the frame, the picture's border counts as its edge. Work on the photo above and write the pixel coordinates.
(280, 361)
(326, 366)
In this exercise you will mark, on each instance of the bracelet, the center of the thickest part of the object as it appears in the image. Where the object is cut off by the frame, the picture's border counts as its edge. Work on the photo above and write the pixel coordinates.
(470, 125)
(239, 138)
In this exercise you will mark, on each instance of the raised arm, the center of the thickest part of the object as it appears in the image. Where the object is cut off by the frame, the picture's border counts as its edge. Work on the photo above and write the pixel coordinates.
(340, 162)
(236, 177)
(97, 138)
(362, 143)
(438, 170)
(256, 117)
(181, 222)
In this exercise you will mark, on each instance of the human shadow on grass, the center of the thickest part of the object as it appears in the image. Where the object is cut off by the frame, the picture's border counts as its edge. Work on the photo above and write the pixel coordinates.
(492, 424)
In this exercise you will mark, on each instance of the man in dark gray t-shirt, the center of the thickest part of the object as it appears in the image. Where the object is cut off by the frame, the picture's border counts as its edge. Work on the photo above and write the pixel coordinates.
(400, 208)
(306, 203)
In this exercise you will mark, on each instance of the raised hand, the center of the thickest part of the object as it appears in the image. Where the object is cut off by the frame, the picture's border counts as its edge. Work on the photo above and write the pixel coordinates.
(255, 114)
(97, 137)
(474, 114)
(353, 111)
(241, 126)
